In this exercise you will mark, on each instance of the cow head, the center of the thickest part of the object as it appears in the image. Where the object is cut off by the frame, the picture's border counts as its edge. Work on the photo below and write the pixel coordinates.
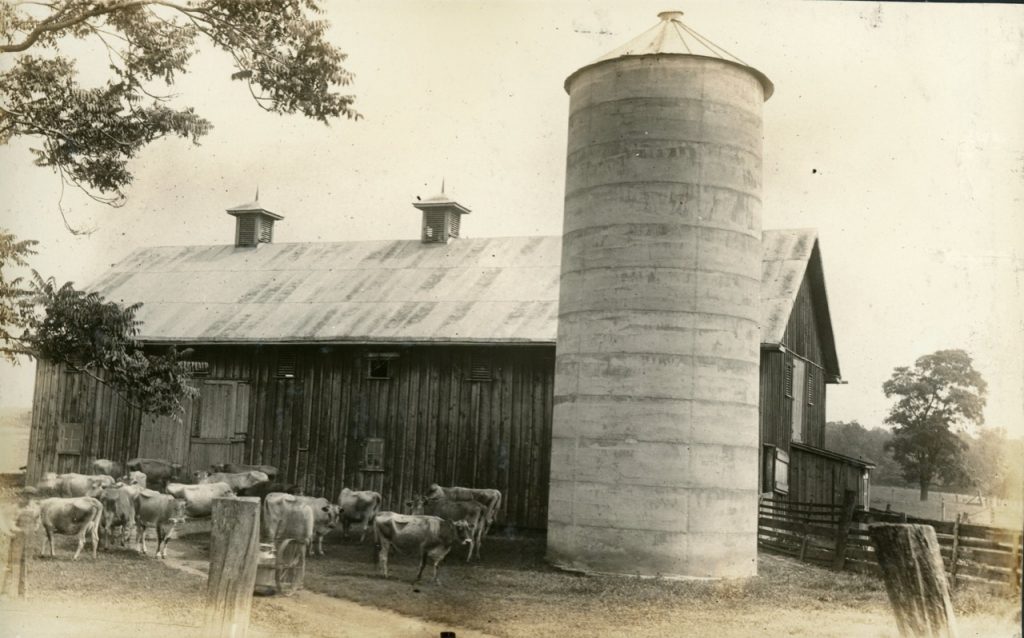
(464, 532)
(333, 514)
(178, 512)
(199, 475)
(414, 505)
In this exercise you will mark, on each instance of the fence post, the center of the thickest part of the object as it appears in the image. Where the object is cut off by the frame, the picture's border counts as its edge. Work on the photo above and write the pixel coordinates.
(805, 534)
(953, 555)
(849, 503)
(234, 554)
(1017, 550)
(17, 558)
(915, 579)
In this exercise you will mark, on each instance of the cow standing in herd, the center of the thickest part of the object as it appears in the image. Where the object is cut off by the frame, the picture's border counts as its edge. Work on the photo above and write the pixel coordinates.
(358, 507)
(79, 516)
(427, 537)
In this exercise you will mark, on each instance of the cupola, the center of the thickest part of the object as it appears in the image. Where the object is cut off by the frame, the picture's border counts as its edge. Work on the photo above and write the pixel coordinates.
(254, 224)
(441, 216)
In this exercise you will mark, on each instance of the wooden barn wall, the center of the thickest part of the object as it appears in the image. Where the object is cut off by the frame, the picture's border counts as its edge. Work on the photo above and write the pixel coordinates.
(819, 479)
(66, 401)
(776, 408)
(436, 424)
(803, 339)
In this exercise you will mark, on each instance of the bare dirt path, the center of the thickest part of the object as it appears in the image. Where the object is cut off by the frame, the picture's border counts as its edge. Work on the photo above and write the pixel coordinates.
(313, 614)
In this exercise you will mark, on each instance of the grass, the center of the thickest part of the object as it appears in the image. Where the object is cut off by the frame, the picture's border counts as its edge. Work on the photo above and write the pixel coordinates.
(946, 505)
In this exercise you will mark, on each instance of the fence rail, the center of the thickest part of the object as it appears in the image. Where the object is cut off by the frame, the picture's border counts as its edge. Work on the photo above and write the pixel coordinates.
(975, 555)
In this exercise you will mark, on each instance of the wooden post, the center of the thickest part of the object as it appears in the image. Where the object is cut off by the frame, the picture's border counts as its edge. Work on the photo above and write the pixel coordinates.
(17, 559)
(915, 579)
(953, 555)
(849, 504)
(234, 556)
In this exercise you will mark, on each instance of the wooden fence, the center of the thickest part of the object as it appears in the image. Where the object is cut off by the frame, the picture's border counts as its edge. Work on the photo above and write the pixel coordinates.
(837, 536)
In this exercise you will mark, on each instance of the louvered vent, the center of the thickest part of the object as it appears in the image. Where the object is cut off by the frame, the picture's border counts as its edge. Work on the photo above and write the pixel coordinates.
(266, 231)
(810, 385)
(480, 368)
(454, 229)
(434, 226)
(246, 231)
(789, 379)
(286, 364)
(196, 368)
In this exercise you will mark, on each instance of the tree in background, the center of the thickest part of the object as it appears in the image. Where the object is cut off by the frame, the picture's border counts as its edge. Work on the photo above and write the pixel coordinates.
(869, 444)
(95, 337)
(15, 298)
(939, 396)
(88, 134)
(993, 463)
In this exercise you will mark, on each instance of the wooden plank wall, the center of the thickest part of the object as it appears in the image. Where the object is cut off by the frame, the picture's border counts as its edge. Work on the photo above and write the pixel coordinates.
(820, 479)
(437, 425)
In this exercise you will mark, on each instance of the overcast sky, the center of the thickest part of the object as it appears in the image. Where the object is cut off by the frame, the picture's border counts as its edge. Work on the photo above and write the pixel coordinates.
(896, 130)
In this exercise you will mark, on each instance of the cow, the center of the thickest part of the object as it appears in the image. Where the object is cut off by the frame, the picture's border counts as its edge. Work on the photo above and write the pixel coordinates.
(487, 497)
(105, 466)
(234, 468)
(472, 512)
(263, 489)
(239, 481)
(136, 478)
(199, 498)
(159, 472)
(276, 506)
(47, 486)
(118, 511)
(72, 485)
(71, 516)
(161, 511)
(358, 507)
(425, 536)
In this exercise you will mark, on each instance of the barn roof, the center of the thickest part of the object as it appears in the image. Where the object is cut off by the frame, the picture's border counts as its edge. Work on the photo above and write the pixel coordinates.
(788, 256)
(480, 290)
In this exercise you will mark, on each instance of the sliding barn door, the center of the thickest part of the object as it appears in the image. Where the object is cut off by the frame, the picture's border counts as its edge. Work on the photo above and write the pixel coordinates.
(218, 435)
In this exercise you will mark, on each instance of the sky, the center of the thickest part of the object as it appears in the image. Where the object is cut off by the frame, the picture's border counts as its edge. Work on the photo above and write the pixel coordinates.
(896, 130)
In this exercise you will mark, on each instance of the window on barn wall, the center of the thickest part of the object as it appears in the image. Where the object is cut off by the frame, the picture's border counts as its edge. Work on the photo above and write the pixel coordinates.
(380, 365)
(373, 455)
(781, 471)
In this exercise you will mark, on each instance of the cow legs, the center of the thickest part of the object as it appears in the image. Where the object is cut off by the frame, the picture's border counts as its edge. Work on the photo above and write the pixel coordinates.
(49, 539)
(163, 537)
(423, 563)
(382, 558)
(366, 526)
(94, 534)
(141, 539)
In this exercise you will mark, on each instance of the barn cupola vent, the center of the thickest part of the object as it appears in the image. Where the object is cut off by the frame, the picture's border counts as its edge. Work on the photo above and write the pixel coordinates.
(254, 225)
(441, 215)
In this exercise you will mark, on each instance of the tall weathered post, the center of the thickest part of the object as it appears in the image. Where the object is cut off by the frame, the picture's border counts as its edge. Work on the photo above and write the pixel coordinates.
(655, 434)
(234, 555)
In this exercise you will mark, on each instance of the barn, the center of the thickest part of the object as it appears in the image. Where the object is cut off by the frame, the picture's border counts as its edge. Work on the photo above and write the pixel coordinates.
(390, 365)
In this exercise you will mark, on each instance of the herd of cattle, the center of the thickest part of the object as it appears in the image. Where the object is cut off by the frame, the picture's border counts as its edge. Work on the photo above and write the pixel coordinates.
(149, 494)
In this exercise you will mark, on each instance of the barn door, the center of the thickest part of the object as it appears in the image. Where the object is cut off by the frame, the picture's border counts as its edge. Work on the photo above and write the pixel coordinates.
(166, 437)
(218, 435)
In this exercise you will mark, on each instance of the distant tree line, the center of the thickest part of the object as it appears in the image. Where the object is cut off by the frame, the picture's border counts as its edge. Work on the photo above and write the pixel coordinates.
(991, 461)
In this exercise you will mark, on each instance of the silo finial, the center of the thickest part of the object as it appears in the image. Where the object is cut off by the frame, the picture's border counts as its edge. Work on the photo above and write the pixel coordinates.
(670, 15)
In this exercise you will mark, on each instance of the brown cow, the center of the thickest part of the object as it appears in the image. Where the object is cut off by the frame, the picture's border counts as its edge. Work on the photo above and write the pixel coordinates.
(71, 516)
(473, 513)
(487, 497)
(425, 536)
(358, 507)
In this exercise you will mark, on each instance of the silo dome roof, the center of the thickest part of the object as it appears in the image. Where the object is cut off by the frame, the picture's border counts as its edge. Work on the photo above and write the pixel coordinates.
(671, 36)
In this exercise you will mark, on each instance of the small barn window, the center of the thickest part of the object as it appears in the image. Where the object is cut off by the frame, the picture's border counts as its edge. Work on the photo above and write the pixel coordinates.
(781, 471)
(69, 438)
(480, 368)
(373, 455)
(379, 365)
(286, 364)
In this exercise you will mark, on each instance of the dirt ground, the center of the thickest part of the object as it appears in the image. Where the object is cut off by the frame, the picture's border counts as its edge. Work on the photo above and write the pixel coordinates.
(512, 592)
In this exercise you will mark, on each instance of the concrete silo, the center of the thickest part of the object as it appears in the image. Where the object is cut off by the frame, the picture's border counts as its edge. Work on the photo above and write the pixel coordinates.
(655, 444)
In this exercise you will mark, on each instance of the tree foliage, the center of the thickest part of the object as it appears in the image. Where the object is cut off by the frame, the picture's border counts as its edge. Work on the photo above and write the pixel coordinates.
(993, 463)
(938, 397)
(870, 444)
(88, 134)
(91, 335)
(15, 297)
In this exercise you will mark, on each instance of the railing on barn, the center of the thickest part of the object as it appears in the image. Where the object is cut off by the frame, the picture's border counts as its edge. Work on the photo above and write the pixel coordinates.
(837, 536)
